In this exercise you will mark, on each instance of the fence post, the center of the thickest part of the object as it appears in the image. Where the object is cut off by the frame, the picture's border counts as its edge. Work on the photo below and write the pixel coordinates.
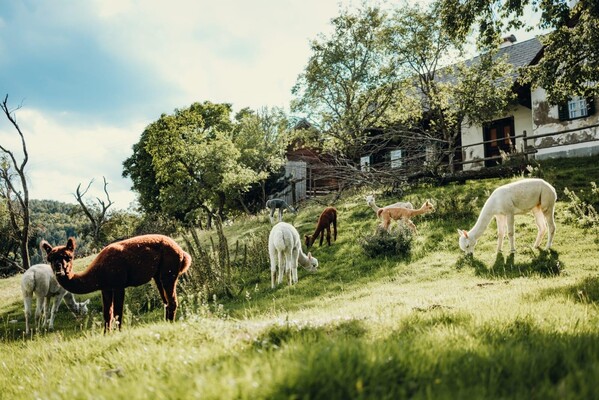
(525, 148)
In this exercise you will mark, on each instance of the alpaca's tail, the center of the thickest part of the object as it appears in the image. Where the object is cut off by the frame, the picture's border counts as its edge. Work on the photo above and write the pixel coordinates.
(379, 212)
(185, 263)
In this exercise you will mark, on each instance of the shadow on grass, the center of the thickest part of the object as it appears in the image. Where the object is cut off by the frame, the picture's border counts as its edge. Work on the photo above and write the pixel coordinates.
(544, 263)
(514, 360)
(585, 291)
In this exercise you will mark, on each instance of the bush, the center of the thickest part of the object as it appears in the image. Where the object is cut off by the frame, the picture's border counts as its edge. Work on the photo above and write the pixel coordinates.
(581, 212)
(398, 242)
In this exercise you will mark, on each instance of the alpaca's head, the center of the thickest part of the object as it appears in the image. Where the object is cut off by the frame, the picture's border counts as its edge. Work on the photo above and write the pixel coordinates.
(428, 206)
(370, 200)
(313, 263)
(60, 257)
(467, 243)
(308, 240)
(81, 308)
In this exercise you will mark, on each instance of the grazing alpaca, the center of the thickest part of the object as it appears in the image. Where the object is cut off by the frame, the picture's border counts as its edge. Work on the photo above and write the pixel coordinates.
(371, 204)
(285, 247)
(278, 204)
(396, 213)
(518, 197)
(131, 262)
(328, 217)
(39, 279)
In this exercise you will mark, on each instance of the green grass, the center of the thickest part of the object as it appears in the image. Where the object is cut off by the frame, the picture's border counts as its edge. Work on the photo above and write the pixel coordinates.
(437, 325)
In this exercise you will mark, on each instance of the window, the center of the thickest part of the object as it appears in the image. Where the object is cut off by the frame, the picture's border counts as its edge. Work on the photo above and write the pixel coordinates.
(576, 107)
(395, 158)
(365, 163)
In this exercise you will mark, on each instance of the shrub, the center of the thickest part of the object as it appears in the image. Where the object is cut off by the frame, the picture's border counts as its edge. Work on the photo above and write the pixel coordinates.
(580, 212)
(397, 242)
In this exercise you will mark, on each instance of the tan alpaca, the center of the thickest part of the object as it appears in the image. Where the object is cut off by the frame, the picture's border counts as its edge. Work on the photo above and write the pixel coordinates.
(396, 213)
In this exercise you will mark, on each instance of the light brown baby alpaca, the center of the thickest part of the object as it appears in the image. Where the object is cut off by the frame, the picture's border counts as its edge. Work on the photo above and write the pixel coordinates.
(396, 213)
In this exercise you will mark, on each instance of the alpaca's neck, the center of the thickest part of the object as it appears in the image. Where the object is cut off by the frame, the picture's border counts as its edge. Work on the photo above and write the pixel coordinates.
(69, 298)
(374, 206)
(418, 211)
(78, 283)
(304, 260)
(485, 217)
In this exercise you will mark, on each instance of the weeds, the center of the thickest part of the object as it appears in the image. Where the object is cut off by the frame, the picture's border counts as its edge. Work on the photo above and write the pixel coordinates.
(398, 242)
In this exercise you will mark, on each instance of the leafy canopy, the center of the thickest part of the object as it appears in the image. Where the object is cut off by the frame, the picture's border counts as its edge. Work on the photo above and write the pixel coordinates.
(571, 53)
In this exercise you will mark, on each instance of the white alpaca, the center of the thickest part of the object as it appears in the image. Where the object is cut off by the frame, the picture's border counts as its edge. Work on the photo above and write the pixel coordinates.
(519, 197)
(285, 248)
(371, 203)
(39, 279)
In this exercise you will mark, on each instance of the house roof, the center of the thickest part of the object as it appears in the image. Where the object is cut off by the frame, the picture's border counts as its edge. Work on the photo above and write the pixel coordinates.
(518, 55)
(521, 54)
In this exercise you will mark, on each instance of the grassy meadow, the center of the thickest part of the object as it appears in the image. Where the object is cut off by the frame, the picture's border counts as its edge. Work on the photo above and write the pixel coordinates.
(431, 325)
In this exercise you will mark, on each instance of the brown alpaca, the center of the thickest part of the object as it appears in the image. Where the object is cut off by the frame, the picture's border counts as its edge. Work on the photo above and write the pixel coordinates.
(131, 262)
(396, 213)
(328, 217)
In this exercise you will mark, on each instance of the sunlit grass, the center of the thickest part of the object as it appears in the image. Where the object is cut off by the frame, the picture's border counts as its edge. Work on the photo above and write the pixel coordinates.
(437, 325)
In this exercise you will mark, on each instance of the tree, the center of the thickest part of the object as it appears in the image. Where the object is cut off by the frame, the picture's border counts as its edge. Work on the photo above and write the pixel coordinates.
(260, 138)
(95, 213)
(190, 161)
(449, 96)
(14, 188)
(571, 48)
(349, 81)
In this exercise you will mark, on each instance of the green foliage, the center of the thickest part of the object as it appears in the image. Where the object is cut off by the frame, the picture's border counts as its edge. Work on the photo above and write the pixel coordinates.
(347, 73)
(201, 152)
(583, 213)
(396, 243)
(570, 58)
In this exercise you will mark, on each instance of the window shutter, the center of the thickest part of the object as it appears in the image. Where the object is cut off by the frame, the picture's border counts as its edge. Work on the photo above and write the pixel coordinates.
(591, 106)
(562, 111)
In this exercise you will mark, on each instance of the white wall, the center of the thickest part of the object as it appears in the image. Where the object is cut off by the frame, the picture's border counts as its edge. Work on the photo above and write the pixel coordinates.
(546, 120)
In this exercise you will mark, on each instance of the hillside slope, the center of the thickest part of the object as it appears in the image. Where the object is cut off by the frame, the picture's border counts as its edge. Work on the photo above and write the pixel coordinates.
(434, 325)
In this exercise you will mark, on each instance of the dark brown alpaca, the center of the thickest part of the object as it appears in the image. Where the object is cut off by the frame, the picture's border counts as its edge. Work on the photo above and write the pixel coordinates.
(131, 262)
(328, 217)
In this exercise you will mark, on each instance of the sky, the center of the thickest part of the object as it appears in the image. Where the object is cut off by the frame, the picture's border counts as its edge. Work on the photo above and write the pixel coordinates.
(84, 78)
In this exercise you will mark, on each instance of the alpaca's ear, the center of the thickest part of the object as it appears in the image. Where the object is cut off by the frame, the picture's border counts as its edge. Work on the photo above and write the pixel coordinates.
(44, 245)
(309, 256)
(462, 232)
(71, 244)
(86, 302)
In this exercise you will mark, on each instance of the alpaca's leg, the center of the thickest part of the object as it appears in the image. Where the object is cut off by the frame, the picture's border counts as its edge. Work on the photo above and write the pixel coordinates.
(107, 308)
(169, 283)
(282, 266)
(273, 267)
(272, 215)
(27, 305)
(294, 259)
(328, 235)
(510, 232)
(280, 214)
(411, 226)
(335, 229)
(549, 218)
(119, 302)
(289, 265)
(161, 290)
(54, 309)
(501, 221)
(39, 311)
(541, 225)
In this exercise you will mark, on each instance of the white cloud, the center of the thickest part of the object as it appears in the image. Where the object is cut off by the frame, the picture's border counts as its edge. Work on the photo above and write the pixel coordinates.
(63, 155)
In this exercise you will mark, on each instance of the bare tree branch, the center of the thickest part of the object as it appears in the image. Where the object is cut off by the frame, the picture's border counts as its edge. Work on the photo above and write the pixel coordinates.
(98, 217)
